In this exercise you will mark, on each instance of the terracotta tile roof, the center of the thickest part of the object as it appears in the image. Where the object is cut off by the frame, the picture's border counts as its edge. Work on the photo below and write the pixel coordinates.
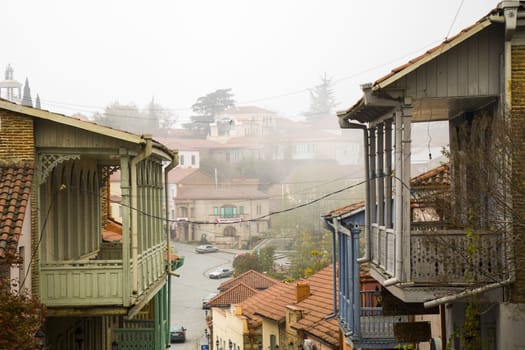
(317, 307)
(269, 303)
(346, 209)
(437, 177)
(15, 189)
(233, 295)
(251, 278)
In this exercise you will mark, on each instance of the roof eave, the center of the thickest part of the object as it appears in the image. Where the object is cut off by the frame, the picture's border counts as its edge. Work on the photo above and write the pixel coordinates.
(431, 54)
(62, 119)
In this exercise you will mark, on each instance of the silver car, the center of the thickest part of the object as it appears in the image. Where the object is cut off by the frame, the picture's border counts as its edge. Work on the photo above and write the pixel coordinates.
(221, 273)
(206, 248)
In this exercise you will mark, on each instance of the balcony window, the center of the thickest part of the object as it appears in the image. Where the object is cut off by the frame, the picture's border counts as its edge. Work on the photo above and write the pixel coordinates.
(229, 212)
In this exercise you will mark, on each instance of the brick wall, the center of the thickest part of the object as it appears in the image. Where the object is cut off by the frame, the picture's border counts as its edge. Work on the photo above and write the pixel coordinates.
(17, 143)
(16, 137)
(518, 169)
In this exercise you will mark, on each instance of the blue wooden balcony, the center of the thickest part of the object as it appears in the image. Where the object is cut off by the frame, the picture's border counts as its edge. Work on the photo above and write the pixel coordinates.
(372, 329)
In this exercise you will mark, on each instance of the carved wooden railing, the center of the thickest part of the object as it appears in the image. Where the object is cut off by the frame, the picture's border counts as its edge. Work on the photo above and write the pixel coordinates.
(94, 282)
(442, 256)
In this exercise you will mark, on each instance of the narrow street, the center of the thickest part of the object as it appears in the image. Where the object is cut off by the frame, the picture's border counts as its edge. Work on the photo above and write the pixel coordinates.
(189, 289)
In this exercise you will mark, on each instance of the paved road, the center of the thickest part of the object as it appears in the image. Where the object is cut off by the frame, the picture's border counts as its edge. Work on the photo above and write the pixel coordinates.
(188, 290)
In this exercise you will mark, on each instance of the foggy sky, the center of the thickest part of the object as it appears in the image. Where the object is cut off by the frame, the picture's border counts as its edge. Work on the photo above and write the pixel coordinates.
(81, 56)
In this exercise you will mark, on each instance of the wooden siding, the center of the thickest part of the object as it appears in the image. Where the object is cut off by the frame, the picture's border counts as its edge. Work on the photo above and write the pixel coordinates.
(49, 134)
(470, 69)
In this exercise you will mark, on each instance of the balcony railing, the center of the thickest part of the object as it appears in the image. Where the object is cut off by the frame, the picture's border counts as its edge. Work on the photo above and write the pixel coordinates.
(96, 282)
(443, 256)
(374, 328)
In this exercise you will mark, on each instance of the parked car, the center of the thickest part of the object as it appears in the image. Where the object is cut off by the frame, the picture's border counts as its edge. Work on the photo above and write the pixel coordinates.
(207, 298)
(178, 334)
(221, 273)
(206, 248)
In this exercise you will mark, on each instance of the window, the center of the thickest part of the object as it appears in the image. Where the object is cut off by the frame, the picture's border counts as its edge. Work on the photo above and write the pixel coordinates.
(183, 212)
(258, 209)
(230, 231)
(215, 211)
(228, 211)
(182, 159)
(241, 209)
(193, 161)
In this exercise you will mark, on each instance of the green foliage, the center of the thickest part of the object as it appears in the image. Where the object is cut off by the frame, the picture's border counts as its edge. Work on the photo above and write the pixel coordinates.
(154, 119)
(21, 316)
(214, 102)
(260, 261)
(322, 100)
(312, 252)
(245, 262)
(207, 107)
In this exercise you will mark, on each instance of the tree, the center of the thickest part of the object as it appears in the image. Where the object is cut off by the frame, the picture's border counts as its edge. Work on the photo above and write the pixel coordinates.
(207, 107)
(129, 117)
(162, 119)
(260, 261)
(322, 100)
(312, 252)
(21, 316)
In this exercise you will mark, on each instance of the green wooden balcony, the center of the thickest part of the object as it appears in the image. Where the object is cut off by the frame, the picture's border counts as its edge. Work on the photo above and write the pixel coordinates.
(98, 282)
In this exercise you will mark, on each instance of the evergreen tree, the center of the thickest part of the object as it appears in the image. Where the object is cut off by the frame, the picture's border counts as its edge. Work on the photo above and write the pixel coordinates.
(322, 100)
(207, 107)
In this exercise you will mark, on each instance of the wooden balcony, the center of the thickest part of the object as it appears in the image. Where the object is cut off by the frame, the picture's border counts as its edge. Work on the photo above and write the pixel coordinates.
(444, 257)
(375, 329)
(98, 282)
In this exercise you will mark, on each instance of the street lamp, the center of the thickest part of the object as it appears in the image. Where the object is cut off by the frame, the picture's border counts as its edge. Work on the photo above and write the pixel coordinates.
(259, 345)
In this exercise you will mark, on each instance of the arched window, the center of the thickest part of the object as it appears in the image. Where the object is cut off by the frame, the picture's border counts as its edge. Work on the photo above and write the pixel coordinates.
(230, 231)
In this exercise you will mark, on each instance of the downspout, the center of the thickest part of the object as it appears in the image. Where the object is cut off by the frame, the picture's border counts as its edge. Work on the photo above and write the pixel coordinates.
(398, 223)
(467, 293)
(145, 153)
(335, 235)
(171, 166)
(345, 124)
(334, 228)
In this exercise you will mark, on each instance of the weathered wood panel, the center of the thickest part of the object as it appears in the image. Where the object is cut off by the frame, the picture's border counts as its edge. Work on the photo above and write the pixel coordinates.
(75, 283)
(50, 134)
(470, 69)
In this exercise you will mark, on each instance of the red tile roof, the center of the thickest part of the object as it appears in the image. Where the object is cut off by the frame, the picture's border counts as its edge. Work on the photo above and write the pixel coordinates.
(436, 177)
(15, 189)
(233, 295)
(317, 307)
(269, 303)
(251, 278)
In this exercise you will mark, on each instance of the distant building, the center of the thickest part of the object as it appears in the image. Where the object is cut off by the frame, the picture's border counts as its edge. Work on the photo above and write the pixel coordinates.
(226, 214)
(10, 89)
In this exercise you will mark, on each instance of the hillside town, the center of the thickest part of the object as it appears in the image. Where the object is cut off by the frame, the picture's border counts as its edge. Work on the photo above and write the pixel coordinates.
(389, 223)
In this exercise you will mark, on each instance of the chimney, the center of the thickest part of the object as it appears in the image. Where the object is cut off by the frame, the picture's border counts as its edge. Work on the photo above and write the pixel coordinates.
(302, 291)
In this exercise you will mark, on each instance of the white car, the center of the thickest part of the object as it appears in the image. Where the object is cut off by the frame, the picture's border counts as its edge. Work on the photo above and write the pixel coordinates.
(223, 272)
(206, 248)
